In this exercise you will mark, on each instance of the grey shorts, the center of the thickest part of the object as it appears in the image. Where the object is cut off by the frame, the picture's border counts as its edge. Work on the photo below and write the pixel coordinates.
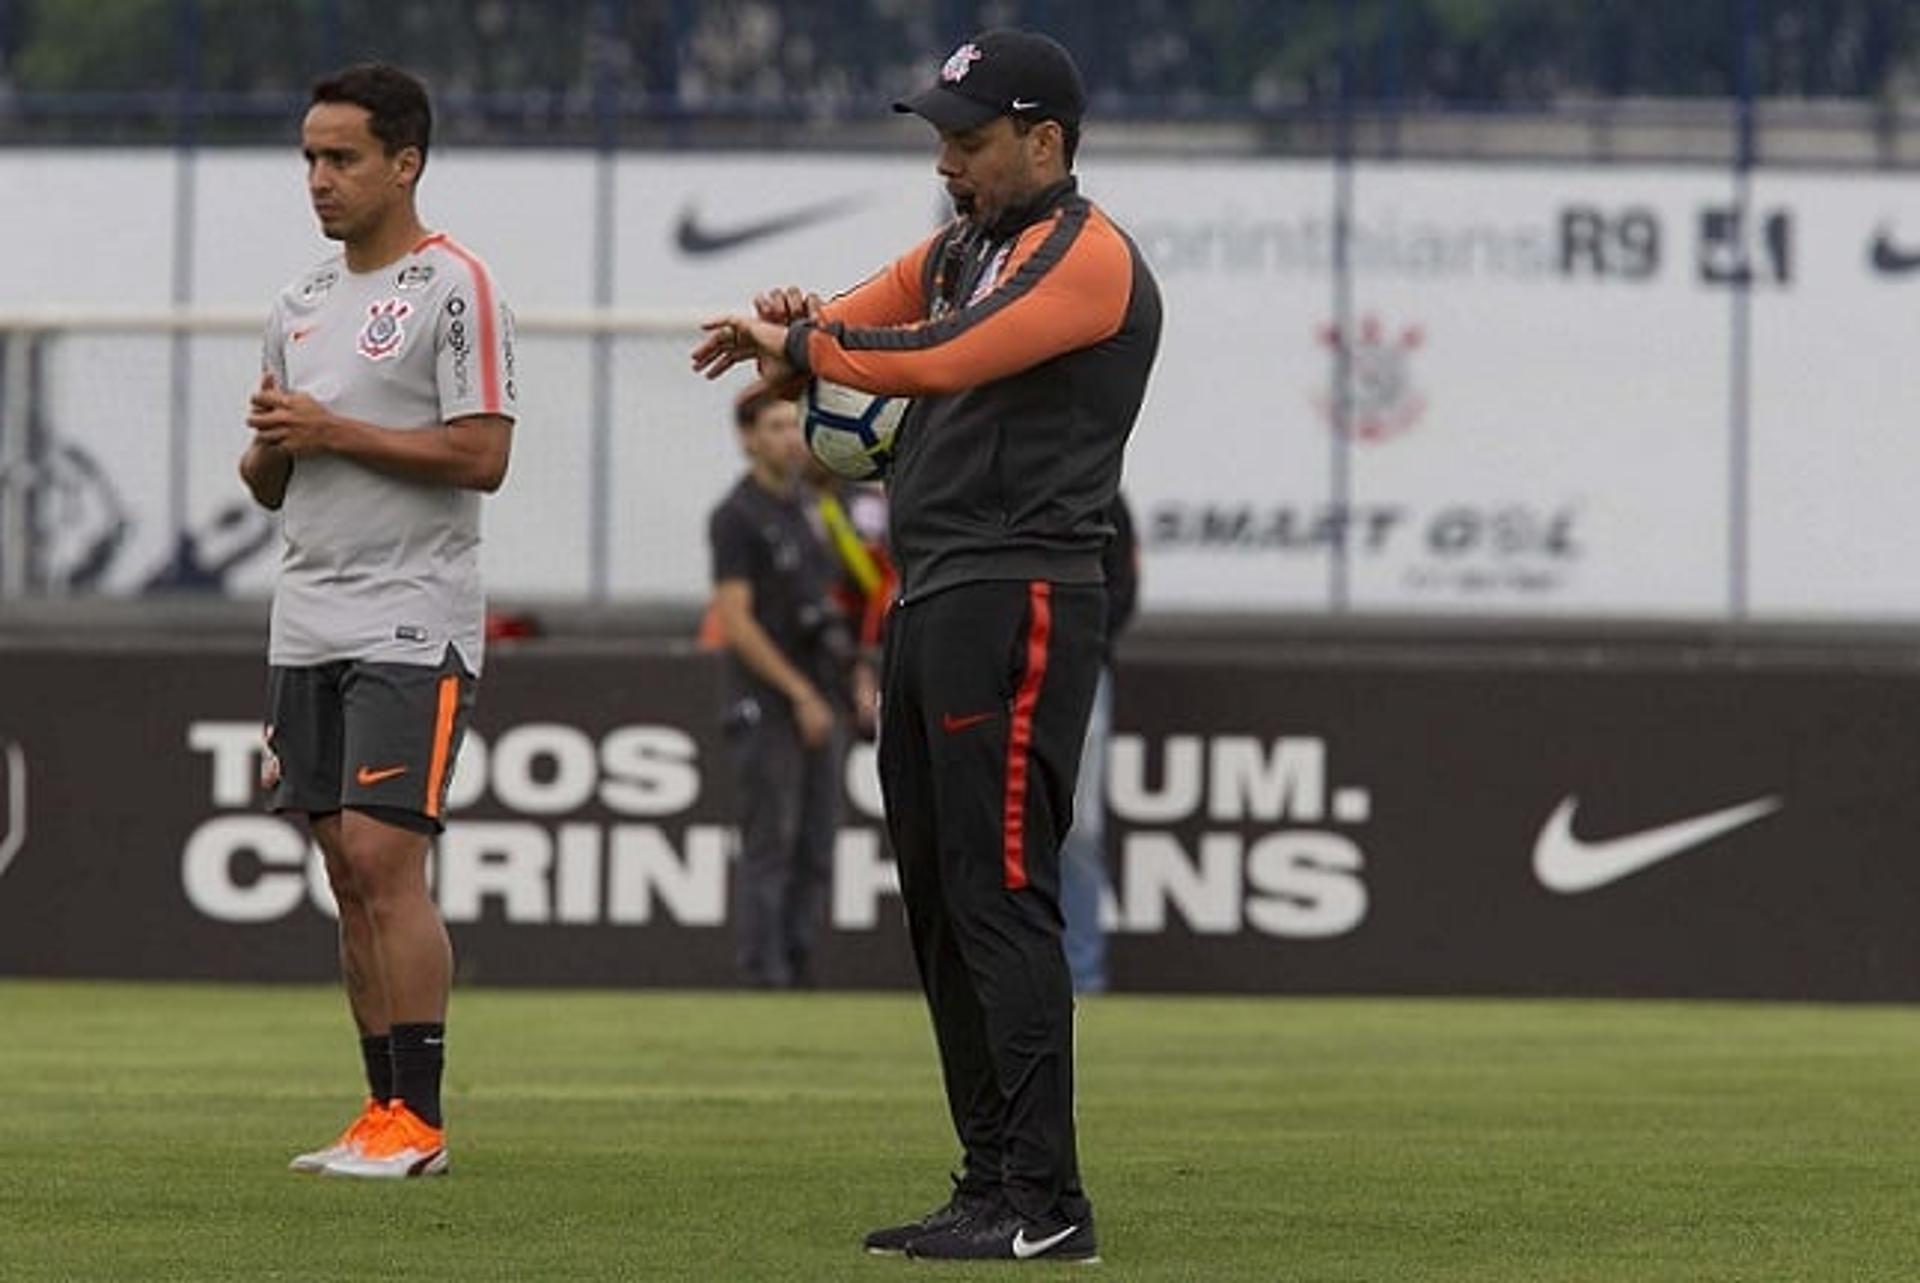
(373, 736)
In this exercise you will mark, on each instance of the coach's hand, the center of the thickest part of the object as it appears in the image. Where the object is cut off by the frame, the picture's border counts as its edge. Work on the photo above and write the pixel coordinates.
(786, 305)
(733, 339)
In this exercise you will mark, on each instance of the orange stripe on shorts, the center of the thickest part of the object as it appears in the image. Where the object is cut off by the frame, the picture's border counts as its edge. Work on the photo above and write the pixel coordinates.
(442, 742)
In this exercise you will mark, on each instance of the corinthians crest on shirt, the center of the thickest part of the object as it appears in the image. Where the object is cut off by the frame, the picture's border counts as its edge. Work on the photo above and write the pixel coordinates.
(384, 333)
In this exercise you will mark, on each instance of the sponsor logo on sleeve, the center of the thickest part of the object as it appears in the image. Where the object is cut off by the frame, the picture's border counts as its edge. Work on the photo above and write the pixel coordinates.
(318, 284)
(461, 345)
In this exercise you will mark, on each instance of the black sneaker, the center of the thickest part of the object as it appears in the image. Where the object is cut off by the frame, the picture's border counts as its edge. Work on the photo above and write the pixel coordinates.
(893, 1239)
(1008, 1236)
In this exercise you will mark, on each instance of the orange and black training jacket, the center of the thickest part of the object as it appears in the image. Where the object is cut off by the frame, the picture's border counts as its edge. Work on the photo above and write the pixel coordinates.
(1026, 347)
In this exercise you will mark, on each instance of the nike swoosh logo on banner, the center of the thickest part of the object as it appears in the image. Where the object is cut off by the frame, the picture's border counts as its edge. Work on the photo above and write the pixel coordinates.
(951, 724)
(367, 775)
(1570, 865)
(1023, 1250)
(1890, 259)
(692, 238)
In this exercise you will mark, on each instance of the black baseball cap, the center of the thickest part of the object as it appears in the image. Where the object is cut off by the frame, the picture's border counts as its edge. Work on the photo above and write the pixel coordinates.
(1003, 72)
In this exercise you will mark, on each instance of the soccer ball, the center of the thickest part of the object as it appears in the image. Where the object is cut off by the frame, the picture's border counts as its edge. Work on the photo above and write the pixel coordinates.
(849, 431)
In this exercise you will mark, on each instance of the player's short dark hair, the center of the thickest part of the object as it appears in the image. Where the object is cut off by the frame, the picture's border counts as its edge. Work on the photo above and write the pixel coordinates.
(398, 113)
(749, 406)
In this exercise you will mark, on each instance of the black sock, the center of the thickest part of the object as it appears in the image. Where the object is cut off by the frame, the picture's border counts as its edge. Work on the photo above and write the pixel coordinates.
(419, 1054)
(377, 1051)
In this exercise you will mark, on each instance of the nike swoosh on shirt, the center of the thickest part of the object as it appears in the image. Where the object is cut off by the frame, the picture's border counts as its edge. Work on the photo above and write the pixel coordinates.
(368, 775)
(1024, 1250)
(1569, 864)
(952, 724)
(694, 238)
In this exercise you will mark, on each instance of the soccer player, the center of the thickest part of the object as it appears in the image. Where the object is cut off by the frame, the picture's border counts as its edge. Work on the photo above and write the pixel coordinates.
(385, 409)
(1025, 329)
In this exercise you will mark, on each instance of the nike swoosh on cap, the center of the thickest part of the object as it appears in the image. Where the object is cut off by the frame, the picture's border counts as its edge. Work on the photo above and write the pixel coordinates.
(694, 238)
(1024, 1250)
(1569, 864)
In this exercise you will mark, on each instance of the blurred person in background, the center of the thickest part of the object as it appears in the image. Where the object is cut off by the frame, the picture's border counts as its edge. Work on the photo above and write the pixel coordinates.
(787, 659)
(850, 517)
(1083, 855)
(384, 411)
(1025, 329)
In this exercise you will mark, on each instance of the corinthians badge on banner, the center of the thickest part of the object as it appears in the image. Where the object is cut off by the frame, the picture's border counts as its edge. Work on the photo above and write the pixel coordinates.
(1384, 402)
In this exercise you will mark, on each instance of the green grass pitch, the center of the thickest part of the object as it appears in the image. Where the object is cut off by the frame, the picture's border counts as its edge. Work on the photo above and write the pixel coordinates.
(722, 1136)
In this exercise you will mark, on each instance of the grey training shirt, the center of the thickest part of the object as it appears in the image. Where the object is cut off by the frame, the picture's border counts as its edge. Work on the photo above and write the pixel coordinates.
(376, 566)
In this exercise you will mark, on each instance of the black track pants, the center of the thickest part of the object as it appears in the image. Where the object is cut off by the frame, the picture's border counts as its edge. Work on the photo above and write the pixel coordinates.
(984, 707)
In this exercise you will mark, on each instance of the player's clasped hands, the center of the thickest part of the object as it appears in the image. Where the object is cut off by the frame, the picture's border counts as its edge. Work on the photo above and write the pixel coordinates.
(290, 421)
